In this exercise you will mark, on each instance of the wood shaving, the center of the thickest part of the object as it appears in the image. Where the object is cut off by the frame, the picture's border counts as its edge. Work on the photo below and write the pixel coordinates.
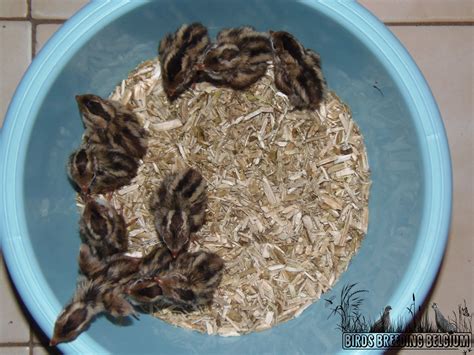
(288, 193)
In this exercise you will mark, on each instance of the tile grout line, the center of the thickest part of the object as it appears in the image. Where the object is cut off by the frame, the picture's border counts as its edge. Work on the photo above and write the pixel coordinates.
(33, 31)
(14, 344)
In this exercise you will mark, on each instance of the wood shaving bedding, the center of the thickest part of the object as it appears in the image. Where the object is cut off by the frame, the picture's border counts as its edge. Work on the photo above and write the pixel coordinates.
(288, 193)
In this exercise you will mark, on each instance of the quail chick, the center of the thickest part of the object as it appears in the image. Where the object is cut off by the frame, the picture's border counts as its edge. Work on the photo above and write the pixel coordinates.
(79, 312)
(103, 228)
(95, 113)
(112, 124)
(297, 71)
(238, 58)
(90, 299)
(192, 278)
(97, 169)
(179, 207)
(81, 169)
(178, 55)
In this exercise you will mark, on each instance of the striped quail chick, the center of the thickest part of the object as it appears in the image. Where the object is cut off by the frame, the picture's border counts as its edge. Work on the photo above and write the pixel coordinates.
(78, 313)
(94, 113)
(238, 58)
(90, 299)
(103, 228)
(192, 279)
(297, 71)
(97, 169)
(179, 53)
(112, 124)
(179, 207)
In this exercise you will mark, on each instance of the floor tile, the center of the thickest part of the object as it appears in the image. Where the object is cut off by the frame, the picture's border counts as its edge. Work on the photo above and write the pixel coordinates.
(445, 56)
(55, 9)
(43, 32)
(15, 56)
(14, 326)
(39, 350)
(421, 10)
(15, 350)
(13, 8)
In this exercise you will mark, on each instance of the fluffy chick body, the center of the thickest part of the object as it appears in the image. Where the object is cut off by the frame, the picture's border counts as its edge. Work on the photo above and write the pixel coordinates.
(112, 124)
(103, 228)
(297, 71)
(179, 207)
(192, 278)
(90, 299)
(238, 58)
(98, 169)
(178, 54)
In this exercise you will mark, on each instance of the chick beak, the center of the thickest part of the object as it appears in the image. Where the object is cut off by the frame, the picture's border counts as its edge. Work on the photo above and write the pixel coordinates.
(161, 282)
(174, 254)
(200, 66)
(79, 100)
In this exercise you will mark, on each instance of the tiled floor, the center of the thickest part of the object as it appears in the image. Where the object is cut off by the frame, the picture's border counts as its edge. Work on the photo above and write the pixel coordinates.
(438, 33)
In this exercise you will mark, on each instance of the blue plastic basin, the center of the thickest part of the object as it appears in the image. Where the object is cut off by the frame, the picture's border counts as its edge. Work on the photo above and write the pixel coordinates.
(410, 200)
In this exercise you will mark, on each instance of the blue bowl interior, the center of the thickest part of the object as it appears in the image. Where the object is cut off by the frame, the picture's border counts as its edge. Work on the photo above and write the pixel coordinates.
(351, 69)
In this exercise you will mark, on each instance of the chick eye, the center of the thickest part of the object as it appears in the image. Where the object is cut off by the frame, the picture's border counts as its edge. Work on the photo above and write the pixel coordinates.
(95, 108)
(75, 320)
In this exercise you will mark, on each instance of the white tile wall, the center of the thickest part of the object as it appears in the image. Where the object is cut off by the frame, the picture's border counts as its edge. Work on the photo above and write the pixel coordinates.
(55, 9)
(14, 327)
(421, 10)
(13, 8)
(43, 32)
(15, 56)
